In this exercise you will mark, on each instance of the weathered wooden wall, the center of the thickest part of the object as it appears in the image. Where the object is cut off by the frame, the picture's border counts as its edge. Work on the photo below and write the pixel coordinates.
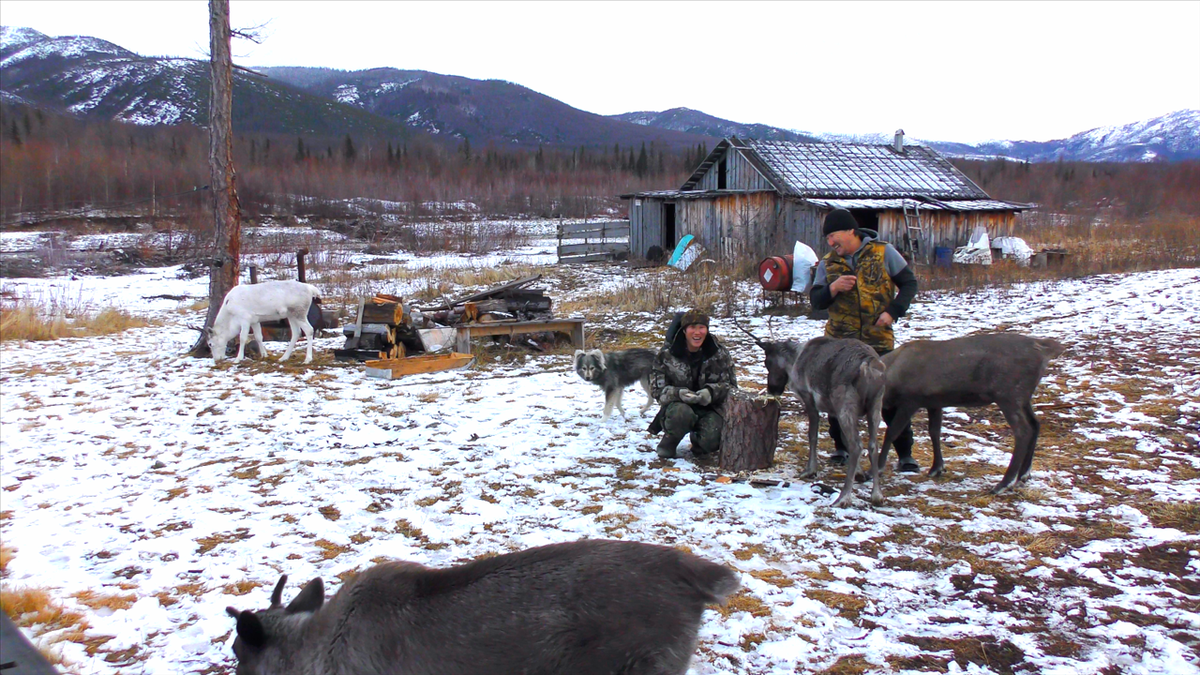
(645, 225)
(729, 226)
(739, 174)
(950, 229)
(732, 226)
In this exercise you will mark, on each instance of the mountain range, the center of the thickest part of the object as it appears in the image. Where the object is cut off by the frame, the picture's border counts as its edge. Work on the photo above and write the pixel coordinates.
(95, 79)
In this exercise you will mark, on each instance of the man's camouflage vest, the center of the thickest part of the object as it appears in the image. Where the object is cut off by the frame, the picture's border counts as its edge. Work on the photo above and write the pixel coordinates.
(853, 312)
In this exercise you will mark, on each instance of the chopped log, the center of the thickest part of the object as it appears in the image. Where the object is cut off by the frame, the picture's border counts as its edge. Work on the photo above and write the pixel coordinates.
(751, 432)
(382, 311)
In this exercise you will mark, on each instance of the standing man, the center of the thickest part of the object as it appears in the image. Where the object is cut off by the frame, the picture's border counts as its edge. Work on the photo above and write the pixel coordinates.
(866, 285)
(692, 375)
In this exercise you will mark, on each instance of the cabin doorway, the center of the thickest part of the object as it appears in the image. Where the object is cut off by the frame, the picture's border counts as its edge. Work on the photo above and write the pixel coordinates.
(867, 219)
(668, 229)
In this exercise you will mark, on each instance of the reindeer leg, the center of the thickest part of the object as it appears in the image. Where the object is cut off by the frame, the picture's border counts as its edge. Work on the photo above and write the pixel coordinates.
(935, 437)
(294, 327)
(874, 418)
(1022, 430)
(262, 347)
(814, 427)
(242, 335)
(307, 328)
(1037, 428)
(854, 454)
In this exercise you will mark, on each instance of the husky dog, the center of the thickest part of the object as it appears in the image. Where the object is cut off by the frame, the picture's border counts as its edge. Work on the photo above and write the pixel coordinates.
(614, 371)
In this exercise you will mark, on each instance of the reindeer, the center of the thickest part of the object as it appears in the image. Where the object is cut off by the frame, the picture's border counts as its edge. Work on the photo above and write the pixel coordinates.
(583, 607)
(246, 307)
(843, 378)
(976, 370)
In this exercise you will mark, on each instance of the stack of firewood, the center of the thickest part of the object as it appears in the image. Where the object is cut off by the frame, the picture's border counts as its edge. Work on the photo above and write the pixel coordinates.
(383, 329)
(386, 328)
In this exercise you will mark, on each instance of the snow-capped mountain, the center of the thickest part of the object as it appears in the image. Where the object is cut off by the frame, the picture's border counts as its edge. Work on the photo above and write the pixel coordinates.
(92, 78)
(1171, 137)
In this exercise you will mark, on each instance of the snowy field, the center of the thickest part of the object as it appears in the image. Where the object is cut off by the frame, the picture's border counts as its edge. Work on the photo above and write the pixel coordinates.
(148, 491)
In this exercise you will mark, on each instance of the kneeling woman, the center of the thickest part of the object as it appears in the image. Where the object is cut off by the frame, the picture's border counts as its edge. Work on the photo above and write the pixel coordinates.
(692, 375)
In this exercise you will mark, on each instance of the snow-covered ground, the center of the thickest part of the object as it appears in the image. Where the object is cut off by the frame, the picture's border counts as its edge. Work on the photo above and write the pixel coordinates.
(130, 470)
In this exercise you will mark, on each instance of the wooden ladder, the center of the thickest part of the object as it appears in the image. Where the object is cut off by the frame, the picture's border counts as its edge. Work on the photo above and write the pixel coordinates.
(914, 234)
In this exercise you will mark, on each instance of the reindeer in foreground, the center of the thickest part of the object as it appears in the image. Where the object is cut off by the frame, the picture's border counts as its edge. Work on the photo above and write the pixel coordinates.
(843, 378)
(583, 607)
(977, 370)
(246, 307)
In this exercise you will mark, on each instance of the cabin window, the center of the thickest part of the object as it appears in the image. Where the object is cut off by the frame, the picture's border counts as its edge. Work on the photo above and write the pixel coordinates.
(721, 175)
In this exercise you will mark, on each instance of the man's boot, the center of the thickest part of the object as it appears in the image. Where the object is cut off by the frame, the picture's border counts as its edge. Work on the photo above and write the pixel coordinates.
(666, 447)
(906, 464)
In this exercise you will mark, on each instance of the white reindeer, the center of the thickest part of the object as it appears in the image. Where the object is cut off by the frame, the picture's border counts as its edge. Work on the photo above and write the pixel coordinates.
(246, 307)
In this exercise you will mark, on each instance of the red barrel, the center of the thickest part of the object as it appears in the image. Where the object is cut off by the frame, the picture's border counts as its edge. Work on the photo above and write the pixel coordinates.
(775, 273)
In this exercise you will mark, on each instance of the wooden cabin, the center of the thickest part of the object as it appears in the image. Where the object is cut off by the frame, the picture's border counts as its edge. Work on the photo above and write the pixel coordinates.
(755, 198)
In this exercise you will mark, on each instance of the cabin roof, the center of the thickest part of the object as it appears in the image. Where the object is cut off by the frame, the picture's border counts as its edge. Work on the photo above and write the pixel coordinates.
(922, 204)
(854, 170)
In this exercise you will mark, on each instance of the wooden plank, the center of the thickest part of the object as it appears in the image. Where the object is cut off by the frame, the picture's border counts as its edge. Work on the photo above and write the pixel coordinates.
(485, 294)
(390, 369)
(572, 230)
(598, 247)
(607, 233)
(572, 327)
(594, 257)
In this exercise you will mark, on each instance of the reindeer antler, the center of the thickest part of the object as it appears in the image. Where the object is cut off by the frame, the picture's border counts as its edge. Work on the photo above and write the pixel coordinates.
(743, 329)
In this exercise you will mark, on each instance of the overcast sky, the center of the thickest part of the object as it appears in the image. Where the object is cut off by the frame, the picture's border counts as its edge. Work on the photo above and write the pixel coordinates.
(967, 71)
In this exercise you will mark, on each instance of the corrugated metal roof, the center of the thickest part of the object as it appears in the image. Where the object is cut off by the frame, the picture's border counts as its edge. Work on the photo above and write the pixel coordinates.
(937, 205)
(853, 170)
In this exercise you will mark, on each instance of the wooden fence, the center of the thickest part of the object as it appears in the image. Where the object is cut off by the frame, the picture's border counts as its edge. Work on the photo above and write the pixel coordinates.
(593, 241)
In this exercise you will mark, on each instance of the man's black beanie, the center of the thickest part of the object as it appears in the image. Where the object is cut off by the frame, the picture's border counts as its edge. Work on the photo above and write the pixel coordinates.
(838, 219)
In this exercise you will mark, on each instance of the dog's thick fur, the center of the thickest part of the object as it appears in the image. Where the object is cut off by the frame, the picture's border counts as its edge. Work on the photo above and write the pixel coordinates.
(614, 371)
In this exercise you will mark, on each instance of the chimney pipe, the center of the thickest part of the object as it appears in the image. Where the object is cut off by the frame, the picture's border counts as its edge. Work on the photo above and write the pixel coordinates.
(898, 145)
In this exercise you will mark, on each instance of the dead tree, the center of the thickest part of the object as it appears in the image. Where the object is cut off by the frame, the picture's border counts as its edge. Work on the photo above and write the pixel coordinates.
(227, 230)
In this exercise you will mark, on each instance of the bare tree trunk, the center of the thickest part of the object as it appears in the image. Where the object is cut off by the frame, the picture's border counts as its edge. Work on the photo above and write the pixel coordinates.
(227, 230)
(750, 433)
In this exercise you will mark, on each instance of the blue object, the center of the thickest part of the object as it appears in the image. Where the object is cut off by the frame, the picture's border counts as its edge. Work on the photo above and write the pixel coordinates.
(679, 249)
(943, 256)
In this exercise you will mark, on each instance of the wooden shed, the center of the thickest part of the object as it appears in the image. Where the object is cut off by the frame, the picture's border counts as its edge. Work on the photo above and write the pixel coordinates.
(755, 198)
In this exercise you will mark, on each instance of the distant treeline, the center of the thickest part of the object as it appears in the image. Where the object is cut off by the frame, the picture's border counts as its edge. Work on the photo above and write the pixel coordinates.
(54, 164)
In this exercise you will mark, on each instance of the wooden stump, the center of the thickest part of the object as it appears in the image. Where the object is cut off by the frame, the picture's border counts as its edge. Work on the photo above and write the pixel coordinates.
(750, 434)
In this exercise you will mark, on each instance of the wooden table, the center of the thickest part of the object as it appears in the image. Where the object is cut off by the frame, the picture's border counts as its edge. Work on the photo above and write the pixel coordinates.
(572, 327)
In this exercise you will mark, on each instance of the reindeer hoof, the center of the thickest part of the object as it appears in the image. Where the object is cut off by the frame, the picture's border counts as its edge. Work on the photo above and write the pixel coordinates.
(1000, 489)
(841, 502)
(877, 501)
(935, 471)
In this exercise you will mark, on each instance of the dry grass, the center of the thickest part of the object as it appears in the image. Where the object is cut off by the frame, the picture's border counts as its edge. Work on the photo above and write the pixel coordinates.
(32, 322)
(111, 601)
(6, 555)
(705, 285)
(1093, 247)
(29, 607)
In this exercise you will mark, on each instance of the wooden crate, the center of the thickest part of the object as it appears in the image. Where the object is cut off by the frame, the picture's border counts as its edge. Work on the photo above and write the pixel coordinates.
(390, 369)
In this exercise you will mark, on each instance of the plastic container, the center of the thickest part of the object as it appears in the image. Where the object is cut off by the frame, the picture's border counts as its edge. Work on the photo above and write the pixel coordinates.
(943, 256)
(775, 273)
